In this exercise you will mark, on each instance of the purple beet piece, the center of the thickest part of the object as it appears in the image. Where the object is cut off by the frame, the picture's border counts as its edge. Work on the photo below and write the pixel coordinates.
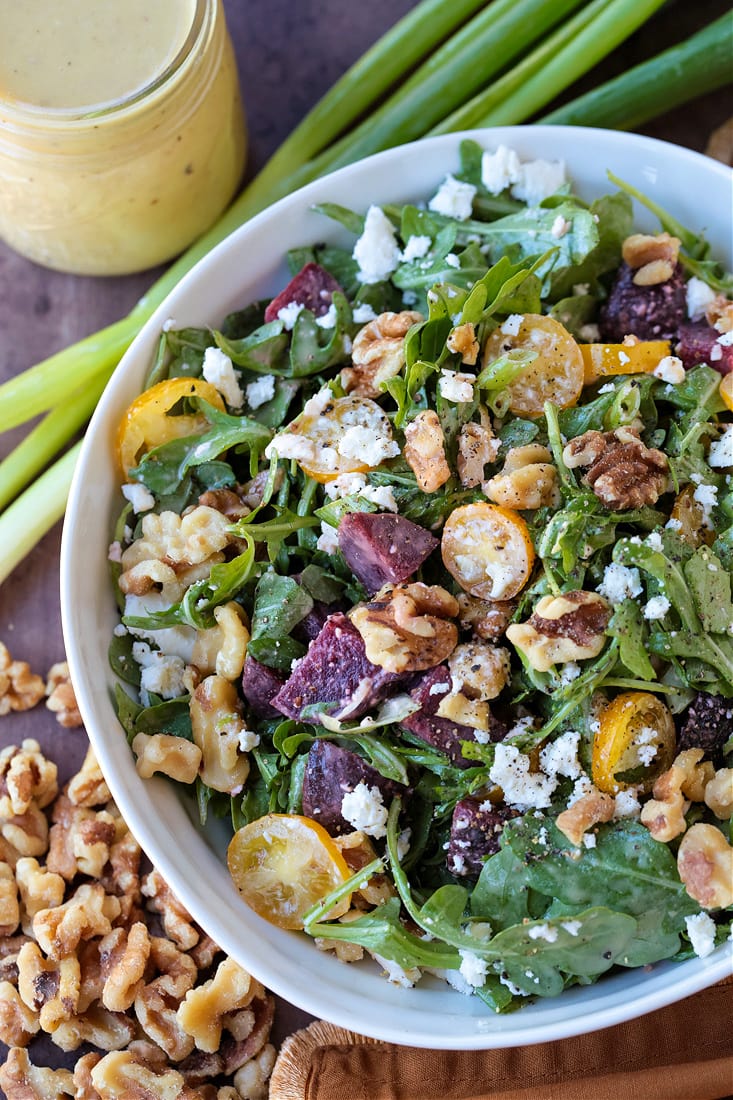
(313, 287)
(330, 772)
(335, 670)
(474, 835)
(381, 548)
(259, 685)
(648, 312)
(442, 733)
(698, 343)
(708, 724)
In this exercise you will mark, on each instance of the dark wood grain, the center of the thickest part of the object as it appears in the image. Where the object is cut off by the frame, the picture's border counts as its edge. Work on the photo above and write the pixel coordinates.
(288, 55)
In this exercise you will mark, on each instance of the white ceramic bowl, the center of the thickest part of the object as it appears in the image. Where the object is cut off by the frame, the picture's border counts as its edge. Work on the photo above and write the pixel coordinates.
(249, 265)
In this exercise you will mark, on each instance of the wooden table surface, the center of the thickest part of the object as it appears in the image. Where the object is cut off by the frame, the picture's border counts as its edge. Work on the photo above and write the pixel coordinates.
(288, 55)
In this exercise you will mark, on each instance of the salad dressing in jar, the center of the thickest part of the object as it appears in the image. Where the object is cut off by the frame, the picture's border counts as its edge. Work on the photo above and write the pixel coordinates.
(121, 130)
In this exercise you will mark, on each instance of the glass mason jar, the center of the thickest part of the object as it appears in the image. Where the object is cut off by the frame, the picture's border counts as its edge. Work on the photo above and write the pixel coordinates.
(128, 181)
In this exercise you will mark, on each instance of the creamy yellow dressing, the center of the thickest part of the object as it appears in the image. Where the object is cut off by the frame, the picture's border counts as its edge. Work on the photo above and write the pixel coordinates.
(81, 54)
(121, 158)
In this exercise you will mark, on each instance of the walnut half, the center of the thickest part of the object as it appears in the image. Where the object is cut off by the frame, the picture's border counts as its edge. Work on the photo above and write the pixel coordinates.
(570, 627)
(378, 352)
(407, 627)
(622, 471)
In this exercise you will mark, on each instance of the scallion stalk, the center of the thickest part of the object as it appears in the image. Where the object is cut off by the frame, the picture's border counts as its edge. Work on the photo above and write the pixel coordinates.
(698, 65)
(34, 512)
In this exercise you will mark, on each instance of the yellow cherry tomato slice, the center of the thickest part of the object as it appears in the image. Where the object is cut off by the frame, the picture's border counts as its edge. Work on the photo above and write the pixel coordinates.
(555, 375)
(635, 742)
(146, 423)
(601, 360)
(282, 864)
(726, 391)
(488, 549)
(341, 435)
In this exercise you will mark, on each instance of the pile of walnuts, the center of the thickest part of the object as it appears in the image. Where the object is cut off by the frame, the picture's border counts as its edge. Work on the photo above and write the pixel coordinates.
(94, 951)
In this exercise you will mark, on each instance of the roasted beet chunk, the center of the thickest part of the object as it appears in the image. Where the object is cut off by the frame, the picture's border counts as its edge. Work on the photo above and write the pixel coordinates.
(698, 343)
(335, 671)
(474, 835)
(382, 548)
(649, 312)
(442, 733)
(259, 685)
(708, 724)
(313, 287)
(330, 772)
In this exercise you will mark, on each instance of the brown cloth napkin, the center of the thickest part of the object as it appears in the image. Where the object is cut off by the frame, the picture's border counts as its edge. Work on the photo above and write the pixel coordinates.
(682, 1052)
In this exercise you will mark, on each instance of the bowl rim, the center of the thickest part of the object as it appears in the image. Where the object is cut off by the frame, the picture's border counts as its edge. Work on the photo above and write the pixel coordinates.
(670, 981)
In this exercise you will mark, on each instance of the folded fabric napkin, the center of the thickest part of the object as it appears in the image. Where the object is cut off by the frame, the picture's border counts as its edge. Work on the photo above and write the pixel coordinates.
(682, 1052)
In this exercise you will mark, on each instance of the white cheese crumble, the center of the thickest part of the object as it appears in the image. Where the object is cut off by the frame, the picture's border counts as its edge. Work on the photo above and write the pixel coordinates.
(560, 227)
(473, 968)
(707, 497)
(175, 641)
(591, 334)
(396, 974)
(572, 927)
(289, 314)
(260, 391)
(670, 370)
(169, 324)
(292, 445)
(701, 930)
(364, 809)
(161, 674)
(415, 248)
(114, 552)
(382, 496)
(560, 757)
(522, 789)
(538, 180)
(620, 582)
(454, 386)
(376, 251)
(452, 260)
(403, 843)
(721, 449)
(454, 199)
(656, 608)
(569, 672)
(654, 540)
(363, 313)
(219, 371)
(543, 932)
(329, 318)
(367, 445)
(589, 840)
(726, 340)
(626, 805)
(500, 169)
(699, 297)
(139, 496)
(607, 388)
(328, 540)
(513, 323)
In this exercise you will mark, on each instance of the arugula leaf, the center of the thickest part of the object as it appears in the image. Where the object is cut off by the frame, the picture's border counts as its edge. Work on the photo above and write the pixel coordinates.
(280, 603)
(613, 225)
(313, 348)
(501, 894)
(262, 351)
(628, 626)
(710, 585)
(127, 711)
(172, 716)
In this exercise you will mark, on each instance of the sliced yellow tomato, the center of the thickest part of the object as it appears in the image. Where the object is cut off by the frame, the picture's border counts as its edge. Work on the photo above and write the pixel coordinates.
(634, 744)
(146, 423)
(600, 360)
(690, 515)
(488, 549)
(282, 864)
(555, 375)
(726, 391)
(341, 435)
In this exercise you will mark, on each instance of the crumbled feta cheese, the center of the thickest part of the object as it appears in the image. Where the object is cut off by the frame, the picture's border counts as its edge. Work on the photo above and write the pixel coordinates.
(512, 987)
(699, 297)
(569, 672)
(363, 313)
(589, 840)
(403, 843)
(581, 788)
(329, 318)
(292, 445)
(560, 227)
(328, 540)
(538, 179)
(721, 449)
(673, 524)
(560, 757)
(657, 608)
(646, 753)
(716, 352)
(591, 334)
(513, 323)
(161, 674)
(120, 630)
(454, 199)
(707, 497)
(345, 485)
(260, 391)
(473, 968)
(114, 552)
(289, 314)
(607, 388)
(620, 582)
(139, 496)
(396, 974)
(670, 370)
(543, 932)
(522, 789)
(376, 251)
(701, 930)
(454, 979)
(454, 386)
(415, 248)
(246, 739)
(499, 169)
(364, 809)
(654, 540)
(726, 340)
(367, 445)
(409, 297)
(382, 496)
(572, 927)
(219, 371)
(452, 260)
(581, 289)
(173, 641)
(626, 805)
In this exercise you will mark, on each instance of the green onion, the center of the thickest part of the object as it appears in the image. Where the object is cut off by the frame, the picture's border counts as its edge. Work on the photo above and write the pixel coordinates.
(34, 512)
(701, 64)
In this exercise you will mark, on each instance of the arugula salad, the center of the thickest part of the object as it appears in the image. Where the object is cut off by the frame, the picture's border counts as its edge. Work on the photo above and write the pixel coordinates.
(424, 576)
